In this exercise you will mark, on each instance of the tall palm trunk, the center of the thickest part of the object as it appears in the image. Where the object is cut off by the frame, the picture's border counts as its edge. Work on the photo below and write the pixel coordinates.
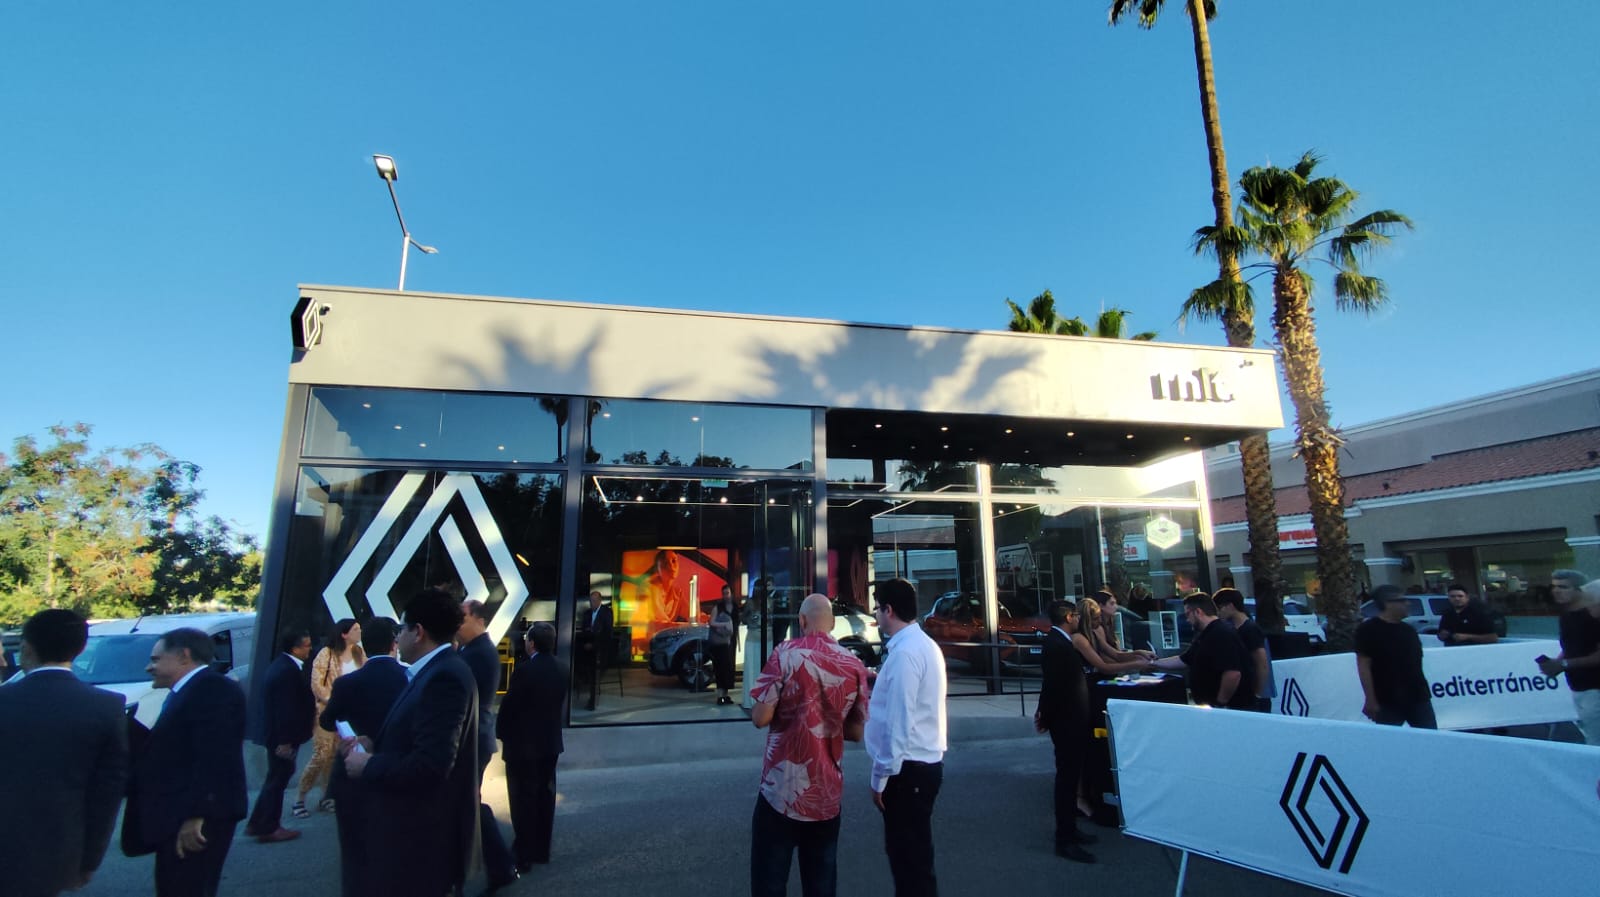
(1255, 459)
(1319, 450)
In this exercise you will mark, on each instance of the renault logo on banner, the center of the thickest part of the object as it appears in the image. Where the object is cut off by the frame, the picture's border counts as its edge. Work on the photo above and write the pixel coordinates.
(1293, 702)
(1324, 813)
(433, 518)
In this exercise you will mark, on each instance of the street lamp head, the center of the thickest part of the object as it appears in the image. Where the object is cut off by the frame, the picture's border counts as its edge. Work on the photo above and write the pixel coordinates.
(386, 169)
(430, 250)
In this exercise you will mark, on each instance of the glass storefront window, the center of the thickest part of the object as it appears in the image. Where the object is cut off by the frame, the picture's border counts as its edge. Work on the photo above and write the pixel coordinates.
(361, 423)
(683, 434)
(660, 549)
(1173, 478)
(363, 541)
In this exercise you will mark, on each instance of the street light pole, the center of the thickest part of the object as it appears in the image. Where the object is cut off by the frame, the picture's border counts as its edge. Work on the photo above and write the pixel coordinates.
(389, 173)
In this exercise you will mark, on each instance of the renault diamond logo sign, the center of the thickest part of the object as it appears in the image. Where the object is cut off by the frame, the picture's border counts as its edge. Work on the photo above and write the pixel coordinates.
(1323, 812)
(433, 518)
(1293, 702)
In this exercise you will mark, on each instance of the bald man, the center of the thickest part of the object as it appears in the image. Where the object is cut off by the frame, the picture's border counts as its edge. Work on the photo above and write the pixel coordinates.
(811, 697)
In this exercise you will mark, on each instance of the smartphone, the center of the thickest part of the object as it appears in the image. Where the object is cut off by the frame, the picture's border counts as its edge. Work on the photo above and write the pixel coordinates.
(1540, 659)
(345, 730)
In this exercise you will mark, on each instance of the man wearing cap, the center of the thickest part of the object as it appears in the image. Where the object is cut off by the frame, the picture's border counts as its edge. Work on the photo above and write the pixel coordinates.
(1389, 662)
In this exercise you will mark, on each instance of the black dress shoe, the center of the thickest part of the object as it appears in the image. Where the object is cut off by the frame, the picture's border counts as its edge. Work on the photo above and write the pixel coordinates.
(1077, 837)
(1074, 852)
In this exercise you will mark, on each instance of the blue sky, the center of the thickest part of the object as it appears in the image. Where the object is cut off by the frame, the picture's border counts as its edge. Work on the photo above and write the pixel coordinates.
(169, 173)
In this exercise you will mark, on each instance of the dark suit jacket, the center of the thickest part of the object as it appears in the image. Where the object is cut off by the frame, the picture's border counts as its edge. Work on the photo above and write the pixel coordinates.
(191, 763)
(484, 661)
(63, 766)
(363, 699)
(530, 714)
(598, 634)
(421, 786)
(289, 707)
(1063, 691)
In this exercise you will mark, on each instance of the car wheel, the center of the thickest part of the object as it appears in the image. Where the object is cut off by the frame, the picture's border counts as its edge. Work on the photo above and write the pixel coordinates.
(861, 650)
(695, 677)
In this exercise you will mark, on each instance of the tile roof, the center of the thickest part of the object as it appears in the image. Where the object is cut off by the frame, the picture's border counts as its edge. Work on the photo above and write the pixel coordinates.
(1563, 453)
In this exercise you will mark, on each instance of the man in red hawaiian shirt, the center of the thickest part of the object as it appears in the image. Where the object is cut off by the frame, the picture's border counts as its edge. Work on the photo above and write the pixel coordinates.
(813, 693)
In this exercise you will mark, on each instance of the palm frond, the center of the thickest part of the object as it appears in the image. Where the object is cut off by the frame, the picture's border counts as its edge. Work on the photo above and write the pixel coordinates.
(1073, 326)
(1354, 291)
(1144, 336)
(1212, 301)
(1212, 240)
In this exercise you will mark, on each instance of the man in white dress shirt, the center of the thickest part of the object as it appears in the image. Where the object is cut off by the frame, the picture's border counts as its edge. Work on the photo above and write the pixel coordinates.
(905, 737)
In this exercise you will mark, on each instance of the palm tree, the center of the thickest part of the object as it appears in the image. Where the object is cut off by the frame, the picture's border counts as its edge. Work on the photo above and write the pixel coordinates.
(1288, 216)
(1233, 307)
(1041, 317)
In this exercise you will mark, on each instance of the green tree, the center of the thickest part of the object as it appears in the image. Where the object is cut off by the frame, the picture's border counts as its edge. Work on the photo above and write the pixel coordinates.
(1291, 218)
(1041, 317)
(1229, 301)
(109, 533)
(197, 559)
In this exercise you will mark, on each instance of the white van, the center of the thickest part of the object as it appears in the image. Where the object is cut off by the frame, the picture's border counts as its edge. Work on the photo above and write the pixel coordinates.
(119, 650)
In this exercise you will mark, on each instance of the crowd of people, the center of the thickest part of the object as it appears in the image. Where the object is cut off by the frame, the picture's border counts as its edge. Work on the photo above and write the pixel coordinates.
(408, 721)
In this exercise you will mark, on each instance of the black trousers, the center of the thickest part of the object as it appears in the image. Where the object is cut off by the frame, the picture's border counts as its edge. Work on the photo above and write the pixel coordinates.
(908, 827)
(498, 866)
(1071, 742)
(1418, 716)
(531, 786)
(197, 874)
(268, 814)
(722, 665)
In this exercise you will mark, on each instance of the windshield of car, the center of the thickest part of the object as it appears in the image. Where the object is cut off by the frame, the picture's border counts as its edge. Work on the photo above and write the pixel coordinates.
(1294, 608)
(109, 659)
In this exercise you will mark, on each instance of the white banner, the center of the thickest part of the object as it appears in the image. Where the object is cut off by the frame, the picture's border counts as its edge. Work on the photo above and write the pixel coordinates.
(1473, 686)
(1358, 808)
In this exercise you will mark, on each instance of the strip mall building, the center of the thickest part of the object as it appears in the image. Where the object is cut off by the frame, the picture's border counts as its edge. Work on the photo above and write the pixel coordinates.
(1494, 492)
(528, 452)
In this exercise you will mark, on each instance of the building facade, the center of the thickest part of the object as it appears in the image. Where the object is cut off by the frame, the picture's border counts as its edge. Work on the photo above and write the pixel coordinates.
(529, 452)
(1494, 492)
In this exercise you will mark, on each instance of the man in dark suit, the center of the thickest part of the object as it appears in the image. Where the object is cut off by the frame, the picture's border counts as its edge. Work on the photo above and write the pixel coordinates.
(479, 651)
(530, 726)
(362, 699)
(418, 778)
(594, 644)
(63, 768)
(188, 789)
(1063, 711)
(289, 710)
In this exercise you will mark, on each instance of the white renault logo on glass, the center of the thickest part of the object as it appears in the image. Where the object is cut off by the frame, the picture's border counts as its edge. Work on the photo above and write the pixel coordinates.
(336, 595)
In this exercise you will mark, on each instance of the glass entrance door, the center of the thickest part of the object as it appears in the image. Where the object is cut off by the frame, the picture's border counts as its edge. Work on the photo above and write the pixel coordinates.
(660, 550)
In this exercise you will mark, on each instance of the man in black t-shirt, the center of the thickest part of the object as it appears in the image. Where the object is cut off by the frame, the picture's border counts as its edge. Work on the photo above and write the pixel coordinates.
(1389, 662)
(1219, 671)
(1467, 622)
(1230, 608)
(1580, 647)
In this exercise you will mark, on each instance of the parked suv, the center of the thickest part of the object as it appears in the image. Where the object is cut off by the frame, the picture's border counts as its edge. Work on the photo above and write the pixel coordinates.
(1296, 618)
(683, 651)
(1422, 611)
(119, 650)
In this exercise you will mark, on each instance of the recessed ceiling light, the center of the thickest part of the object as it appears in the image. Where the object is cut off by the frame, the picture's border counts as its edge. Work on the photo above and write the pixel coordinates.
(638, 498)
(1070, 434)
(1130, 435)
(877, 426)
(1187, 438)
(724, 499)
(696, 418)
(605, 414)
(500, 448)
(366, 404)
(944, 429)
(1008, 431)
(772, 501)
(422, 445)
(397, 426)
(947, 445)
(682, 499)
